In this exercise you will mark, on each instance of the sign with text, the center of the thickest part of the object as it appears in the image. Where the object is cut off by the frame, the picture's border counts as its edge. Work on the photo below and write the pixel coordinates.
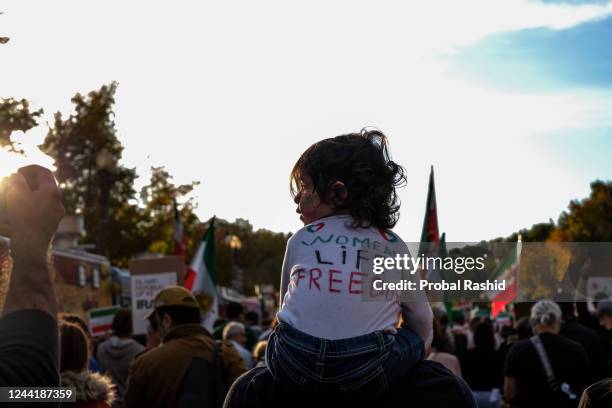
(147, 278)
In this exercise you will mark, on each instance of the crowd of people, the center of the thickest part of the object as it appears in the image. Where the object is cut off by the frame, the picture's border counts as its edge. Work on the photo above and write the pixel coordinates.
(499, 361)
(496, 358)
(325, 347)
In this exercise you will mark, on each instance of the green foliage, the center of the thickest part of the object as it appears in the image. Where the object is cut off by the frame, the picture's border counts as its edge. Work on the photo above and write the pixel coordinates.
(586, 220)
(87, 156)
(3, 40)
(590, 219)
(261, 255)
(15, 115)
(86, 152)
(158, 220)
(537, 233)
(77, 145)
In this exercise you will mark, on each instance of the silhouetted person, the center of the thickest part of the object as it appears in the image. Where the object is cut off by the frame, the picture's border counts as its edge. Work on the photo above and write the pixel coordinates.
(92, 390)
(481, 367)
(598, 395)
(117, 353)
(184, 370)
(525, 380)
(28, 328)
(589, 339)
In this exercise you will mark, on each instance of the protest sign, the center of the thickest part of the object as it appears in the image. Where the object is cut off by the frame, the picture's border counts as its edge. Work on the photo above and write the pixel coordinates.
(147, 278)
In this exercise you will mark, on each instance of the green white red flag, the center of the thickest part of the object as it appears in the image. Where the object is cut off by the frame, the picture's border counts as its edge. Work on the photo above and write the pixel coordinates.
(507, 270)
(430, 231)
(179, 233)
(430, 236)
(201, 277)
(101, 320)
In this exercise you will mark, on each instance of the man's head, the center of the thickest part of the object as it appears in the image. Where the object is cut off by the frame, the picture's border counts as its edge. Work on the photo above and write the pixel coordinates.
(567, 310)
(604, 313)
(252, 318)
(175, 306)
(235, 331)
(122, 324)
(153, 335)
(235, 312)
(545, 317)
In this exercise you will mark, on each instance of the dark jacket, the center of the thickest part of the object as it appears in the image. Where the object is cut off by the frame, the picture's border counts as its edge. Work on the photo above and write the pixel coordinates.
(115, 356)
(92, 390)
(428, 385)
(156, 376)
(592, 343)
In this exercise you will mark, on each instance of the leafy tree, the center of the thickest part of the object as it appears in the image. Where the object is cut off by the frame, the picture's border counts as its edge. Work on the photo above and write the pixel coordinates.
(15, 115)
(589, 219)
(3, 40)
(537, 233)
(87, 152)
(260, 257)
(158, 220)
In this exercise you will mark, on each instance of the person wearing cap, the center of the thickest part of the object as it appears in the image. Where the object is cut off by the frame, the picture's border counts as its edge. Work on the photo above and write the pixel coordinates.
(160, 377)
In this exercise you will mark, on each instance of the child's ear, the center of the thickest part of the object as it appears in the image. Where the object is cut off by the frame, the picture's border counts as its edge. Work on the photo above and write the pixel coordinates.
(339, 193)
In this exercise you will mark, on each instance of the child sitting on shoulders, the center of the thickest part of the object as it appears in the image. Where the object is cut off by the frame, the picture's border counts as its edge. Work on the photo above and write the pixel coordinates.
(329, 338)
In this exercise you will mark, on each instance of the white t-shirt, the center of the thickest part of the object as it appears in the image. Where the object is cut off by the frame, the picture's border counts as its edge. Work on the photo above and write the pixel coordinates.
(322, 282)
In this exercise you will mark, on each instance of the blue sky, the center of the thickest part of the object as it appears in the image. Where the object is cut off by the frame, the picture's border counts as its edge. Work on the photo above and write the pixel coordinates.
(509, 100)
(542, 59)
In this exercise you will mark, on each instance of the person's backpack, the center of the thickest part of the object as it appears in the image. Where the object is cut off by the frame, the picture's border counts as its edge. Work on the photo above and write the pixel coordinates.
(563, 394)
(203, 384)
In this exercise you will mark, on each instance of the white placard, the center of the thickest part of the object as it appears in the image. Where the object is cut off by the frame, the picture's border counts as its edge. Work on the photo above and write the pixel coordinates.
(144, 288)
(599, 288)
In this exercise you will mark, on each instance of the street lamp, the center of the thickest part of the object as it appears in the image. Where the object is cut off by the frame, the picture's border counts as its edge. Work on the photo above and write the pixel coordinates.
(233, 241)
(105, 162)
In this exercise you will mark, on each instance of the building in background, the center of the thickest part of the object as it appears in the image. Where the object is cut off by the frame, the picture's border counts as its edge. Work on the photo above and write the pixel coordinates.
(83, 280)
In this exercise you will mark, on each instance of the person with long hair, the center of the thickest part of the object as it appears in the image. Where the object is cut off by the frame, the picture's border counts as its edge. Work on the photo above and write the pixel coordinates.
(93, 390)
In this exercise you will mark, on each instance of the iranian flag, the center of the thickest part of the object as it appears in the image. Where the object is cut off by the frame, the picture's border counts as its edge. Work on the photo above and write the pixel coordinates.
(430, 233)
(179, 233)
(507, 270)
(436, 244)
(101, 320)
(201, 277)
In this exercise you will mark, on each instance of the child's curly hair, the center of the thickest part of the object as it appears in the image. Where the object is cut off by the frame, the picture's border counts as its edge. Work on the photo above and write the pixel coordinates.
(361, 162)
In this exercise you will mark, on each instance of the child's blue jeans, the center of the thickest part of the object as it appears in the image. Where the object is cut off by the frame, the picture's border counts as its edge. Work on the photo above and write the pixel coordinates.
(356, 369)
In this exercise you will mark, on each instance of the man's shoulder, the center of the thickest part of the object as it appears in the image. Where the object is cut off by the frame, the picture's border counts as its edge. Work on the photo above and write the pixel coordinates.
(519, 346)
(147, 358)
(430, 384)
(159, 355)
(576, 331)
(569, 345)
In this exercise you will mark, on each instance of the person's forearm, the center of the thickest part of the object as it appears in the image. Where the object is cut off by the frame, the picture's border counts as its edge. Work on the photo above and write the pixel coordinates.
(418, 316)
(283, 287)
(31, 285)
